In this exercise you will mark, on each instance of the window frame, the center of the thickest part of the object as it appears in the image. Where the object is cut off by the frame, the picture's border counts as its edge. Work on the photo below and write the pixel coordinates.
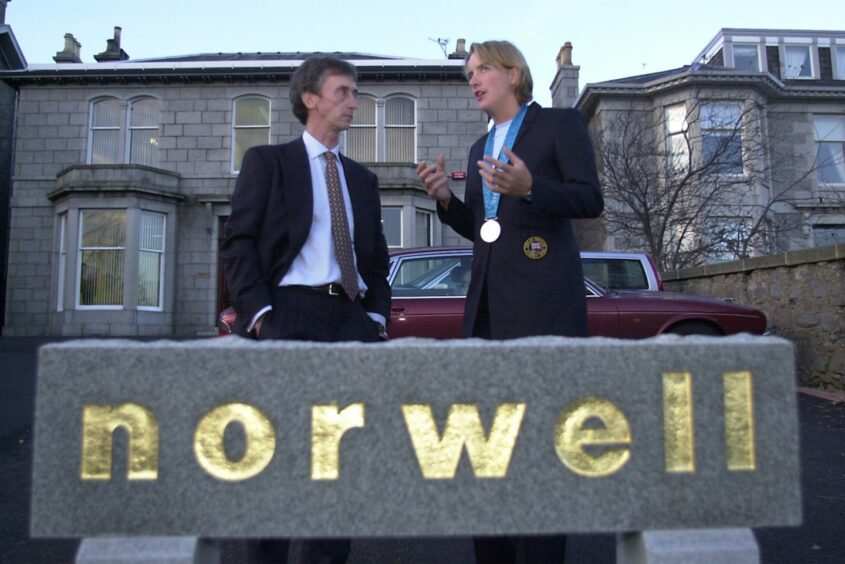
(412, 126)
(127, 157)
(62, 262)
(89, 158)
(374, 126)
(735, 131)
(825, 140)
(162, 263)
(682, 133)
(785, 64)
(381, 127)
(838, 53)
(740, 46)
(79, 251)
(235, 127)
(400, 213)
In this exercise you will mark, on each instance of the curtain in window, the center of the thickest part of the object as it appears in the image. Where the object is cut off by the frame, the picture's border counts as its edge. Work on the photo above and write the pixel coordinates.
(143, 127)
(105, 132)
(361, 136)
(422, 237)
(391, 220)
(399, 130)
(150, 259)
(102, 250)
(251, 125)
(798, 62)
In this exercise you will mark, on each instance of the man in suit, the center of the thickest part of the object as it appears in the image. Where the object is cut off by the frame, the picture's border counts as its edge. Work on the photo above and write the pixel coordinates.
(527, 178)
(304, 253)
(279, 254)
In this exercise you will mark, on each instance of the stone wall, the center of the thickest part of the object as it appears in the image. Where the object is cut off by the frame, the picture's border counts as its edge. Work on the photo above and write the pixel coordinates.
(802, 294)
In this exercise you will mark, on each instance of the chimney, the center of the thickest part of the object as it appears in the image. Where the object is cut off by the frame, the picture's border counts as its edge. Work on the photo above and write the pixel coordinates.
(113, 51)
(460, 50)
(565, 84)
(3, 11)
(71, 52)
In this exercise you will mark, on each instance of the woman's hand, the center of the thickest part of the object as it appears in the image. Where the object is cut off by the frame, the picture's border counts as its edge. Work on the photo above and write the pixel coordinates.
(434, 180)
(510, 179)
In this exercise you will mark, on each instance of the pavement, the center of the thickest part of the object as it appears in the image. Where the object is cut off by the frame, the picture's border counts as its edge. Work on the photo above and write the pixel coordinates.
(820, 539)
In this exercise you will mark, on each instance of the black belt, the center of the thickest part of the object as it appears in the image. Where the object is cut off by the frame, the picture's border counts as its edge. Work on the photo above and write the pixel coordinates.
(333, 289)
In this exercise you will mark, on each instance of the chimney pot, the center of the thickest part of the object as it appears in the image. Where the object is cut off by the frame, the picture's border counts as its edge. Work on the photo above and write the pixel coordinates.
(565, 55)
(71, 51)
(460, 50)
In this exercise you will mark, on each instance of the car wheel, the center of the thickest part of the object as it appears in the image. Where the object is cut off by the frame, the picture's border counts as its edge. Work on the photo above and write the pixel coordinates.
(694, 328)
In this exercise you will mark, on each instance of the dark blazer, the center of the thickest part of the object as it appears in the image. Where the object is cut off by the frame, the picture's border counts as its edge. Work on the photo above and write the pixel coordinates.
(525, 296)
(272, 206)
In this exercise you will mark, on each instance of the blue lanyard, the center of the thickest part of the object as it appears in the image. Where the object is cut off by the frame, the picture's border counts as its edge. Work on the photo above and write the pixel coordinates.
(491, 199)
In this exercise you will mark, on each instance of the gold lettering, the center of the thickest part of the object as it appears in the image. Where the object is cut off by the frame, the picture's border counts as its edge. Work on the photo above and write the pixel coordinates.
(327, 428)
(260, 442)
(99, 422)
(739, 421)
(678, 429)
(489, 456)
(571, 438)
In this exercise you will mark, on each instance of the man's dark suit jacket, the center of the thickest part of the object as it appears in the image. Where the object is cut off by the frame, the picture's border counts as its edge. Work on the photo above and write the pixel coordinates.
(272, 206)
(525, 296)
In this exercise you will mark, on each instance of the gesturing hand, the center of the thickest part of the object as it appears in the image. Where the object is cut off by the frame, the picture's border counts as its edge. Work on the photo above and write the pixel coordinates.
(510, 179)
(434, 180)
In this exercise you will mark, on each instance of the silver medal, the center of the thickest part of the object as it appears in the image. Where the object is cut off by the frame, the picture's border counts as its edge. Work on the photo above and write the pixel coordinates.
(490, 231)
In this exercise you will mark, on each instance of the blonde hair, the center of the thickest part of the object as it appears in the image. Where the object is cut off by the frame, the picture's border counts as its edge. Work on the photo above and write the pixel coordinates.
(504, 54)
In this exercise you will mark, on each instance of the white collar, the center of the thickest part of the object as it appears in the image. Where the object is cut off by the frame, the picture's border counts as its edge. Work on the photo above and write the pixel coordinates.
(316, 149)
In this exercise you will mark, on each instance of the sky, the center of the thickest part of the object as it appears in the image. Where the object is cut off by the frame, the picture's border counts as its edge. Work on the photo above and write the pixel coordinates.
(611, 38)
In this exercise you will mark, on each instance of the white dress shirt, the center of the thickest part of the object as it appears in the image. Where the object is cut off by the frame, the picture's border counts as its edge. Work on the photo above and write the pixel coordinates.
(316, 265)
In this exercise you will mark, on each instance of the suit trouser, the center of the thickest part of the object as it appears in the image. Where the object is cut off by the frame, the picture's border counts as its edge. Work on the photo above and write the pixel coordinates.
(301, 313)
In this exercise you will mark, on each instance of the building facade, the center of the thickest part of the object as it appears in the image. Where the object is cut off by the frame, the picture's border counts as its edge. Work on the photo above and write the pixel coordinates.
(738, 154)
(123, 172)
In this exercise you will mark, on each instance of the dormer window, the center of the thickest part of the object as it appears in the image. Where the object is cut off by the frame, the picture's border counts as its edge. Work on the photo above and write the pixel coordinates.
(798, 63)
(746, 58)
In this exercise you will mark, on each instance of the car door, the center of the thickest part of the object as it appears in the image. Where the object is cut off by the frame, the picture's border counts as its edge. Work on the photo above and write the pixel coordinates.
(429, 291)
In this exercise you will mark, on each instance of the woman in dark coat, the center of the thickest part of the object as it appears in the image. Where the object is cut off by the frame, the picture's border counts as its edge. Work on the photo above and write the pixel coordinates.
(538, 171)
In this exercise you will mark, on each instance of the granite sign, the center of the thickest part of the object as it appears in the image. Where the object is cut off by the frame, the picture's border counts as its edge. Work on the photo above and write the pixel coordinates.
(232, 438)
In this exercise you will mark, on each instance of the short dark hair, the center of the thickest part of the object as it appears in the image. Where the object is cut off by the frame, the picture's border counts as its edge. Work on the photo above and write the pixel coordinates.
(311, 75)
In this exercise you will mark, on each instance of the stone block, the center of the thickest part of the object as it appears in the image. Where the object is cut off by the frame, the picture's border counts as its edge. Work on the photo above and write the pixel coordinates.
(718, 546)
(465, 437)
(162, 550)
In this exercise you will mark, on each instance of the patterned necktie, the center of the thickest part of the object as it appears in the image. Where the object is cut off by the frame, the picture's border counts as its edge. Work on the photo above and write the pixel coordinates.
(340, 230)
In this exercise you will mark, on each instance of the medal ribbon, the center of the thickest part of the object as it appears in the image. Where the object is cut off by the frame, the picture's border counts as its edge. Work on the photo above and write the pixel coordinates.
(491, 199)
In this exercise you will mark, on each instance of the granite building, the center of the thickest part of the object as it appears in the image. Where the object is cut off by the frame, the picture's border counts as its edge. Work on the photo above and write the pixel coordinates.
(123, 171)
(759, 113)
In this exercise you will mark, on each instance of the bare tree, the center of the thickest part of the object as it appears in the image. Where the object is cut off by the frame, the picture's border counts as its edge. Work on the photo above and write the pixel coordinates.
(697, 181)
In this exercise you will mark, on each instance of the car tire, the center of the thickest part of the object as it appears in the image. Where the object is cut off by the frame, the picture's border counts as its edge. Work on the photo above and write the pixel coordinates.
(694, 328)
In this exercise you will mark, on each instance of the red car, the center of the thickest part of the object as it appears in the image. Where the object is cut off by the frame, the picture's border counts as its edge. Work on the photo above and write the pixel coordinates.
(430, 284)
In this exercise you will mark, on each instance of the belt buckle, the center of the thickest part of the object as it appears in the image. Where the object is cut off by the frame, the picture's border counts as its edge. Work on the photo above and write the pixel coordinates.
(334, 290)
